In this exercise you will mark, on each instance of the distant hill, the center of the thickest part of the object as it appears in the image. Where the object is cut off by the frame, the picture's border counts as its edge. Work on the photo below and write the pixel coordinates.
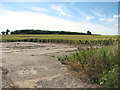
(27, 31)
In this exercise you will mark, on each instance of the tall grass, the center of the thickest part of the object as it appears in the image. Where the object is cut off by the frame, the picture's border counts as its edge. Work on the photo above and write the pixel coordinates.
(63, 41)
(101, 65)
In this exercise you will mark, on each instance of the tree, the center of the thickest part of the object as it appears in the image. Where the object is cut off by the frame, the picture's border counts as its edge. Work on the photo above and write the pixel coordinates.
(89, 33)
(7, 31)
(3, 33)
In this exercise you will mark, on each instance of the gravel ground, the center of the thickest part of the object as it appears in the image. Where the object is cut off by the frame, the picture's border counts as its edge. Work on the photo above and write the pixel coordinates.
(35, 65)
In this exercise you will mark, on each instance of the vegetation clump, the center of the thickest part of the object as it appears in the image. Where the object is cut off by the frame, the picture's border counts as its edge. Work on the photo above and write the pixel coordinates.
(100, 64)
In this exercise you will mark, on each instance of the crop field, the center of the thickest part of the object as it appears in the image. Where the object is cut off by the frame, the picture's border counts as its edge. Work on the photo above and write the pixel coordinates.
(69, 39)
(65, 37)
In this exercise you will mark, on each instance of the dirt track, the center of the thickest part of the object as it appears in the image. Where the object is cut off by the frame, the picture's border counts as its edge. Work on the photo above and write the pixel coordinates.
(33, 65)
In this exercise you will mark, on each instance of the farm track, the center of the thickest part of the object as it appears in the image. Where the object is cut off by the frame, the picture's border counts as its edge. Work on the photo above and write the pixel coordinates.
(35, 65)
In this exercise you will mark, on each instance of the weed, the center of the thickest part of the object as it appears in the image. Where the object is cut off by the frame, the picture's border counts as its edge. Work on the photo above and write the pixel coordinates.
(101, 64)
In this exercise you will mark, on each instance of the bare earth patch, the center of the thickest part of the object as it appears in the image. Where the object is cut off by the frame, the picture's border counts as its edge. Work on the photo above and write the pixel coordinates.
(35, 65)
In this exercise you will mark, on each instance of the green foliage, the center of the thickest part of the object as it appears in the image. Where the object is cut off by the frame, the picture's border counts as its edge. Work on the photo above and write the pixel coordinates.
(7, 31)
(111, 79)
(3, 33)
(100, 64)
(61, 60)
(27, 31)
(88, 33)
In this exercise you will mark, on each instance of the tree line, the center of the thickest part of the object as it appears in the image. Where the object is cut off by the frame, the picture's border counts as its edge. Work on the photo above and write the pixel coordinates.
(7, 32)
(48, 32)
(32, 31)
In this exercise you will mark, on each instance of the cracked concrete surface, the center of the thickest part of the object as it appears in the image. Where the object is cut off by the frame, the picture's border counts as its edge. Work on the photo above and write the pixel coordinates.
(35, 65)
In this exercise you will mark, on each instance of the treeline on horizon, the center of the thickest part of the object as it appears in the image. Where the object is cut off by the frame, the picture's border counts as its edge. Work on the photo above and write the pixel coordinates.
(27, 31)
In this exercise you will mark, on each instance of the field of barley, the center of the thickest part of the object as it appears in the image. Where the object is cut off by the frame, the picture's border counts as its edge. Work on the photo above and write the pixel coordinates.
(69, 39)
(65, 37)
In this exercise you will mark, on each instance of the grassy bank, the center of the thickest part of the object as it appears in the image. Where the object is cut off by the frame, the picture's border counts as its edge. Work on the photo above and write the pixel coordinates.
(101, 65)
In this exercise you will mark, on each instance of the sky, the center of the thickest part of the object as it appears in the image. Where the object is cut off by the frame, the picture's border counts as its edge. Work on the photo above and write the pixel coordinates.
(97, 17)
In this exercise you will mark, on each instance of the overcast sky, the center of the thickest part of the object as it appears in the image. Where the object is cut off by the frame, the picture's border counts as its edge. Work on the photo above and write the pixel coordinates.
(97, 17)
